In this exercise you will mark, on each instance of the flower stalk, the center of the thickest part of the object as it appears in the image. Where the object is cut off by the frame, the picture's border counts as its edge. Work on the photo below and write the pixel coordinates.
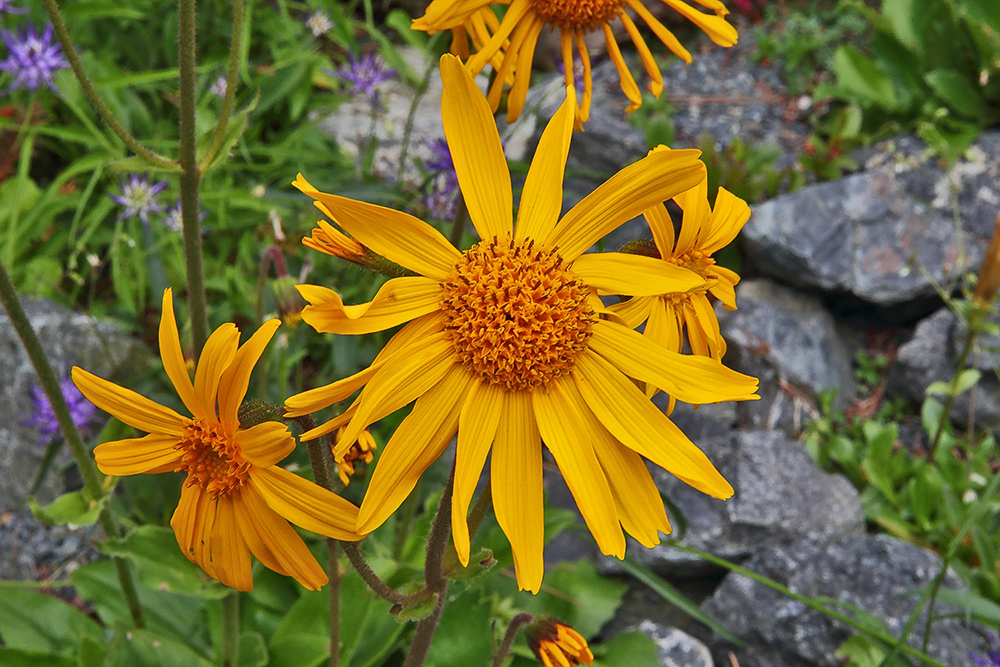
(509, 637)
(235, 45)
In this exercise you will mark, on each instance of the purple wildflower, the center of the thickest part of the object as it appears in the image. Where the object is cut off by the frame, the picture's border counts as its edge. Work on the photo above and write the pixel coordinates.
(81, 411)
(33, 58)
(139, 198)
(319, 23)
(441, 201)
(992, 658)
(219, 87)
(365, 73)
(6, 8)
(172, 218)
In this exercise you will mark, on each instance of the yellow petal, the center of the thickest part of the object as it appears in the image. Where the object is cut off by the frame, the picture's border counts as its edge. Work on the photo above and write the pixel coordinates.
(316, 399)
(137, 455)
(629, 86)
(664, 35)
(631, 418)
(447, 14)
(173, 357)
(397, 301)
(193, 521)
(541, 199)
(634, 275)
(663, 327)
(694, 203)
(652, 180)
(688, 378)
(236, 378)
(134, 409)
(634, 311)
(475, 147)
(648, 62)
(588, 80)
(229, 550)
(265, 444)
(709, 324)
(516, 482)
(716, 27)
(662, 227)
(275, 543)
(305, 504)
(418, 441)
(728, 218)
(517, 11)
(477, 426)
(397, 236)
(220, 349)
(558, 412)
(333, 424)
(723, 289)
(523, 43)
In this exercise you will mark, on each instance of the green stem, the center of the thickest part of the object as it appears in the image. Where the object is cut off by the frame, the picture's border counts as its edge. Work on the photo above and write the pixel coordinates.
(88, 471)
(218, 136)
(975, 323)
(405, 522)
(231, 629)
(508, 638)
(483, 504)
(425, 633)
(458, 225)
(88, 88)
(190, 178)
(412, 115)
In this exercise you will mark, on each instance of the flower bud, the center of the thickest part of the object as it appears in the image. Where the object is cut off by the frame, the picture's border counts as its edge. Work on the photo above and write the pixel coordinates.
(989, 273)
(362, 450)
(557, 644)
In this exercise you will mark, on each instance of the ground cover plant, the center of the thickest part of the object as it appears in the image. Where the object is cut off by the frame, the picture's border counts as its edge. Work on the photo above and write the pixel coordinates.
(266, 494)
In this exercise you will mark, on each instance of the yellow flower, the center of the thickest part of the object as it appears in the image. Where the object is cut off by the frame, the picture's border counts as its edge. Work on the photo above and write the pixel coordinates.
(235, 500)
(703, 232)
(524, 21)
(557, 644)
(508, 344)
(362, 450)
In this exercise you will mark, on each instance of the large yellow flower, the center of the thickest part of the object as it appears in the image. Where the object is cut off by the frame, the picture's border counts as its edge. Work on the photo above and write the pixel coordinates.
(508, 344)
(235, 500)
(518, 31)
(703, 232)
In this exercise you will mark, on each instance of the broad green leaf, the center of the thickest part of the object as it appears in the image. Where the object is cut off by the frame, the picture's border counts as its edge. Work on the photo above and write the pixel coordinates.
(628, 649)
(957, 92)
(77, 11)
(465, 635)
(144, 648)
(33, 621)
(17, 657)
(72, 508)
(862, 77)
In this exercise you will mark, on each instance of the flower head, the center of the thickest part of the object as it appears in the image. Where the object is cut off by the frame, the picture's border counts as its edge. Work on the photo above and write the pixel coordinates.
(703, 232)
(139, 198)
(556, 644)
(236, 500)
(365, 74)
(524, 20)
(33, 58)
(319, 23)
(219, 86)
(81, 411)
(172, 217)
(508, 345)
(7, 7)
(362, 450)
(992, 657)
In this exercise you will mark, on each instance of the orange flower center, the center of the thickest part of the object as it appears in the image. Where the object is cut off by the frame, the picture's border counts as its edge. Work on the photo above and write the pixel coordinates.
(585, 15)
(695, 260)
(211, 459)
(516, 316)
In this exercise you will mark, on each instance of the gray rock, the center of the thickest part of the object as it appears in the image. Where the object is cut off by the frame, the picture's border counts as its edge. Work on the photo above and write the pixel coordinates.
(781, 497)
(68, 339)
(793, 345)
(677, 648)
(877, 574)
(884, 236)
(930, 356)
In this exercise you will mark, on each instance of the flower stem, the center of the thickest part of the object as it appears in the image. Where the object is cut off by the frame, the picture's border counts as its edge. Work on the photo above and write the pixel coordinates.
(235, 45)
(508, 638)
(88, 471)
(425, 633)
(88, 87)
(231, 629)
(974, 325)
(458, 225)
(483, 504)
(190, 178)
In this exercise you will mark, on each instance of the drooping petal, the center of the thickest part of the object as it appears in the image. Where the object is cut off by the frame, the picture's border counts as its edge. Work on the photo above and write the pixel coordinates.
(397, 301)
(192, 522)
(220, 349)
(173, 357)
(709, 323)
(686, 377)
(229, 550)
(633, 419)
(541, 199)
(663, 326)
(316, 399)
(629, 86)
(694, 203)
(716, 27)
(634, 311)
(447, 14)
(588, 79)
(634, 275)
(137, 455)
(655, 178)
(265, 444)
(418, 441)
(236, 378)
(516, 482)
(517, 11)
(728, 218)
(134, 409)
(558, 412)
(723, 290)
(306, 504)
(397, 236)
(476, 151)
(662, 227)
(275, 543)
(658, 29)
(333, 424)
(648, 62)
(477, 427)
(523, 43)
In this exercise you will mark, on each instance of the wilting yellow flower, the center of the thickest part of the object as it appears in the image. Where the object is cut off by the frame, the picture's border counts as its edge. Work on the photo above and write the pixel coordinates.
(524, 21)
(557, 644)
(703, 232)
(328, 239)
(235, 500)
(509, 344)
(362, 450)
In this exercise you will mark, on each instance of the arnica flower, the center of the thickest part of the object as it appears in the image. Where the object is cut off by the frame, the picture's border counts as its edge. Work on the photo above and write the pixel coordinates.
(319, 23)
(235, 500)
(556, 644)
(365, 74)
(509, 344)
(139, 198)
(524, 21)
(43, 417)
(34, 59)
(362, 450)
(703, 232)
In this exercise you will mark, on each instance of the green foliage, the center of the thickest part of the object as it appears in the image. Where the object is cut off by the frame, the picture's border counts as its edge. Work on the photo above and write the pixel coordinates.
(747, 170)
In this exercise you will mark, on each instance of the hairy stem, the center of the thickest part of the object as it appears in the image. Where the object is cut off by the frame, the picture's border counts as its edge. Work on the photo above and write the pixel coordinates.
(239, 14)
(508, 638)
(231, 629)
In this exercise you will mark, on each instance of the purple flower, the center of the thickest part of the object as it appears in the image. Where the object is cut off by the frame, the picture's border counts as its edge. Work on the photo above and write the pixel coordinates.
(441, 201)
(33, 59)
(6, 8)
(219, 87)
(139, 198)
(319, 23)
(81, 411)
(992, 658)
(172, 218)
(365, 73)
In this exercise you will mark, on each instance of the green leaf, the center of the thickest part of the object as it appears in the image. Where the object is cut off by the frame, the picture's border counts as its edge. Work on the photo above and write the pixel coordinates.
(628, 649)
(987, 611)
(162, 565)
(33, 621)
(16, 657)
(577, 594)
(72, 508)
(465, 634)
(931, 413)
(957, 92)
(235, 128)
(400, 21)
(143, 648)
(863, 78)
(137, 164)
(253, 650)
